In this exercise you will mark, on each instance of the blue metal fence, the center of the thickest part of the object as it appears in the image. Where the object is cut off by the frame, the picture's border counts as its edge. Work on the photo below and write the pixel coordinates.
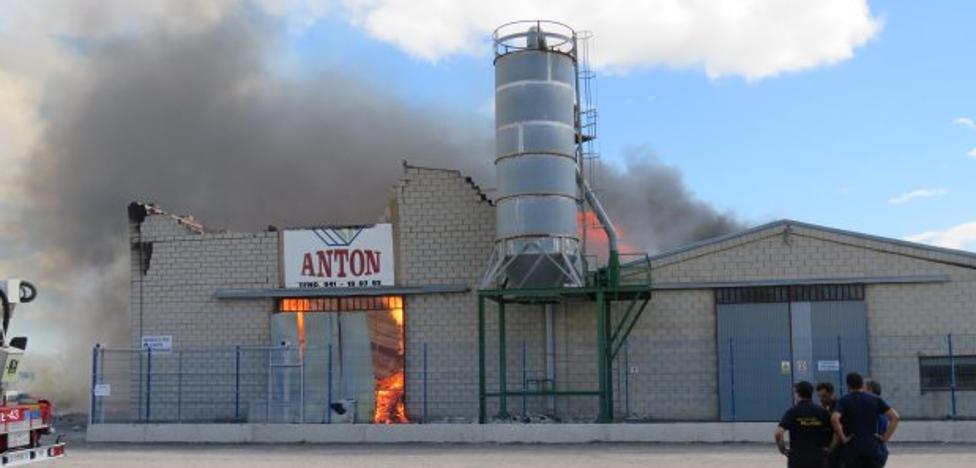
(657, 378)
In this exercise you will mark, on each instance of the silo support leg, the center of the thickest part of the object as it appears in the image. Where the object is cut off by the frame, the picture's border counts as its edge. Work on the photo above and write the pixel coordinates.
(502, 364)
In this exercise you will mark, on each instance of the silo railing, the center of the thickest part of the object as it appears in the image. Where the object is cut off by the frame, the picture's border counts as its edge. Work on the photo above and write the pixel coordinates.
(534, 35)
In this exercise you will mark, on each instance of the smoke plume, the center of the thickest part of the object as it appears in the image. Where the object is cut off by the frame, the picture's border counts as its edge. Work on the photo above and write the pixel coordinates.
(654, 208)
(201, 123)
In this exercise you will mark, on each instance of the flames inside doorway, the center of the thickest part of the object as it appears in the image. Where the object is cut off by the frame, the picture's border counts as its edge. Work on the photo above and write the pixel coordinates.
(384, 316)
(386, 336)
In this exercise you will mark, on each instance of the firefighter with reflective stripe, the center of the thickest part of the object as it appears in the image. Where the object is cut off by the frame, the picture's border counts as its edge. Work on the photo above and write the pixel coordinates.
(809, 428)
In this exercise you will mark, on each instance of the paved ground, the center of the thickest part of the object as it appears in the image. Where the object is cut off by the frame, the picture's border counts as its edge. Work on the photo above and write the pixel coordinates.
(494, 456)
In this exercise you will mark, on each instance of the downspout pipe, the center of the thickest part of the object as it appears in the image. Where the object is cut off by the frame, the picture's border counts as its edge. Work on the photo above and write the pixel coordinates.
(613, 259)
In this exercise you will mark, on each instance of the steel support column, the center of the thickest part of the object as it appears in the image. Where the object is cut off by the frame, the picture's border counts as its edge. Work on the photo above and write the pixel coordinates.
(481, 360)
(610, 338)
(602, 354)
(502, 363)
(607, 327)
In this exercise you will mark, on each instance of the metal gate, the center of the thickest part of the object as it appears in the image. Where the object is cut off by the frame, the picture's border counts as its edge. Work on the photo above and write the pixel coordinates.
(840, 341)
(769, 338)
(754, 342)
(324, 358)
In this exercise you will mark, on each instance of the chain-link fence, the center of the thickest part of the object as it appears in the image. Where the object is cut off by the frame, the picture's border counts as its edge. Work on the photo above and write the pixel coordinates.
(655, 378)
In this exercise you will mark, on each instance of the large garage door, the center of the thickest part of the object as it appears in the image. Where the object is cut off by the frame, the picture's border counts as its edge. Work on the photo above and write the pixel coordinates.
(754, 341)
(839, 336)
(770, 337)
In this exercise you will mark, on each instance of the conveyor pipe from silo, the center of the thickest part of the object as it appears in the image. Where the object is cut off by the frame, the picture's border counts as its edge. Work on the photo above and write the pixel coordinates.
(613, 259)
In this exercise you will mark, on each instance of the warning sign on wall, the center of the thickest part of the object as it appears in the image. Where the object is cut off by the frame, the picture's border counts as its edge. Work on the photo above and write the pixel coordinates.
(158, 343)
(828, 366)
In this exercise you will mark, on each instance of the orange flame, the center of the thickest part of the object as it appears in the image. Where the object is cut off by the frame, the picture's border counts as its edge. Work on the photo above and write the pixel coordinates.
(596, 237)
(386, 327)
(390, 403)
(300, 318)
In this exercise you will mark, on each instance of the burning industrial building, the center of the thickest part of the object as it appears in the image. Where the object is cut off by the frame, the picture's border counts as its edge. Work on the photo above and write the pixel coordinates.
(524, 303)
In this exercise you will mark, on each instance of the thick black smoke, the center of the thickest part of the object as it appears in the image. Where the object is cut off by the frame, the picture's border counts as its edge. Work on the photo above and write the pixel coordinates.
(654, 208)
(200, 123)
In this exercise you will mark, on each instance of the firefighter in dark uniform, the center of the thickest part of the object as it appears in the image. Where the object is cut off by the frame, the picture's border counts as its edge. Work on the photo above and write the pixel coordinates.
(809, 428)
(855, 421)
(828, 400)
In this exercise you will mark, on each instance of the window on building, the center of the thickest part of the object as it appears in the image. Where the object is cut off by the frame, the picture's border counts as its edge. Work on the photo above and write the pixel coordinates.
(936, 372)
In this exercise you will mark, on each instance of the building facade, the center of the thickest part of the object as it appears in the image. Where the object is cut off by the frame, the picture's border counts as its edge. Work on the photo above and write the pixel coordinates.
(732, 323)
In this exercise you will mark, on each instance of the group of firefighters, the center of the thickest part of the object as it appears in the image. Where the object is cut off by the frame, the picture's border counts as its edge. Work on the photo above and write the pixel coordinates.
(850, 432)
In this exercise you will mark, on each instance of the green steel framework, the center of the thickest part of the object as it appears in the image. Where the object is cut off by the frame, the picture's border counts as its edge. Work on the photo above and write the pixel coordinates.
(632, 282)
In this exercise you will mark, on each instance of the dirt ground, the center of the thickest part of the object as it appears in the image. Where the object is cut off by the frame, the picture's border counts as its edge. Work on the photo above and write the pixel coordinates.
(495, 456)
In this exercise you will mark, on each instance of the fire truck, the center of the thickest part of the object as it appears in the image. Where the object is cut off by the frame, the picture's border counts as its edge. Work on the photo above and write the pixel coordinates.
(23, 420)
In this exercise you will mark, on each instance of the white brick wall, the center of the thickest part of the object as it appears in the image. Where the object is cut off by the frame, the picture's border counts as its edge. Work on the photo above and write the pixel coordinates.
(904, 320)
(444, 234)
(444, 231)
(175, 296)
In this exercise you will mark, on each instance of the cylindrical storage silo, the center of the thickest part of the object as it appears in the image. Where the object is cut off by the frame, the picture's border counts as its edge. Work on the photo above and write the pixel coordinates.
(535, 123)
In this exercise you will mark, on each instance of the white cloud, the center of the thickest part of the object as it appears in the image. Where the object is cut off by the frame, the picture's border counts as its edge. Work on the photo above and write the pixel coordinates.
(972, 153)
(964, 122)
(962, 236)
(917, 194)
(750, 38)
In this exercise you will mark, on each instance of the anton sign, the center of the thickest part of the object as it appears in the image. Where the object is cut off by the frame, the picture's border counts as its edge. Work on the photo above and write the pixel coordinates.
(336, 257)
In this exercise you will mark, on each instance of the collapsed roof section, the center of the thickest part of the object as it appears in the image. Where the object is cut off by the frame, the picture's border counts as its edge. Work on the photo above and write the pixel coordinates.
(138, 212)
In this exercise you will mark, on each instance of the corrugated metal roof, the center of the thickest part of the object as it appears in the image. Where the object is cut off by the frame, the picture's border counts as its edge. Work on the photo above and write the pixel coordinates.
(785, 223)
(909, 279)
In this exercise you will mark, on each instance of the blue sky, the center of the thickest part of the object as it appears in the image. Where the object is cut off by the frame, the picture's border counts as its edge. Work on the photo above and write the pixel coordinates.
(831, 144)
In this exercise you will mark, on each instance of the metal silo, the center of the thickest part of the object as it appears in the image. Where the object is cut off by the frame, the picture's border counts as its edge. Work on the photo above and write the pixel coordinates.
(545, 124)
(536, 160)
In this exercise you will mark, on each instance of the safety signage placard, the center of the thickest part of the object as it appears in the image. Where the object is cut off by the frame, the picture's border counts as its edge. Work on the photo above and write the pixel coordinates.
(828, 366)
(338, 257)
(158, 343)
(102, 390)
